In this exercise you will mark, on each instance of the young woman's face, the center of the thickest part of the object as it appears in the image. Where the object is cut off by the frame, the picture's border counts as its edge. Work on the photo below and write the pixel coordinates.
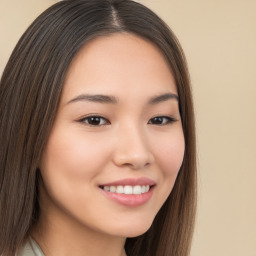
(117, 134)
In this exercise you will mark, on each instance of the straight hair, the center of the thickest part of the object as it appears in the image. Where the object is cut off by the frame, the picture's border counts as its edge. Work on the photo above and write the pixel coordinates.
(30, 91)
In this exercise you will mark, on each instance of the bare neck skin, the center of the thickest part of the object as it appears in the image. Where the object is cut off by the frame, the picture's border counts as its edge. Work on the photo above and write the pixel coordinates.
(57, 234)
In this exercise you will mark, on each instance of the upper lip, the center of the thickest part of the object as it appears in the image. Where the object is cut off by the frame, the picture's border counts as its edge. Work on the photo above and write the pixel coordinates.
(131, 181)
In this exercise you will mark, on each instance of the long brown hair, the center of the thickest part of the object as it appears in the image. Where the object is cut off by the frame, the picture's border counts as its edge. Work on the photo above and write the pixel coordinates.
(30, 91)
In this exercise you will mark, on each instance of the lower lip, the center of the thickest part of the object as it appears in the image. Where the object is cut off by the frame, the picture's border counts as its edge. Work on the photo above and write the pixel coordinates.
(129, 200)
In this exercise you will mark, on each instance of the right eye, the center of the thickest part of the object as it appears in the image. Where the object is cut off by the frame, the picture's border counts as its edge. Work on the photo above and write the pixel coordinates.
(94, 120)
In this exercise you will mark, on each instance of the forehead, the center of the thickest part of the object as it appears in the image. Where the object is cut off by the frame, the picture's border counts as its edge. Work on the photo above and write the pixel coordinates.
(119, 63)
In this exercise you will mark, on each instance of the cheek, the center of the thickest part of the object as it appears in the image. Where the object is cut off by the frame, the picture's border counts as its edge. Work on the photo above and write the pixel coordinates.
(169, 154)
(172, 157)
(69, 164)
(72, 157)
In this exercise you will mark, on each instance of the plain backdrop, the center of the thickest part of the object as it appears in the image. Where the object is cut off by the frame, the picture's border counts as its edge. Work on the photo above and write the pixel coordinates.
(219, 39)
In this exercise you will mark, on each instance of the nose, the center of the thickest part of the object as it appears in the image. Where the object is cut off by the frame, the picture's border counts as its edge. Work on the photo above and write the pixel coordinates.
(132, 149)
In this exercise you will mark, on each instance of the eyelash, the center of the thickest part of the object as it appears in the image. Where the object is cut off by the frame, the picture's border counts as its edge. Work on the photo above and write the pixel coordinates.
(98, 119)
(94, 118)
(168, 120)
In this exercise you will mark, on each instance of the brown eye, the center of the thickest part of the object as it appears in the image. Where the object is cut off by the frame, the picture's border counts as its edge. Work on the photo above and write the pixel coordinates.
(95, 120)
(161, 120)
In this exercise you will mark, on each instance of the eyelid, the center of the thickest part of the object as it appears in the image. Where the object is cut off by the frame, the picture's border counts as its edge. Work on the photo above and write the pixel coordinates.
(87, 117)
(170, 120)
(84, 120)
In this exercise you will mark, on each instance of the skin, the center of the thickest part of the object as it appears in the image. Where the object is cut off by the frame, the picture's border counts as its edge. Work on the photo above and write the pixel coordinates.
(76, 217)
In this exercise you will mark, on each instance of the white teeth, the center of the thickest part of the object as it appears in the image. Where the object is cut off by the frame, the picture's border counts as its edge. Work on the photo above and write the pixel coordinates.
(136, 190)
(128, 190)
(106, 188)
(120, 189)
(112, 189)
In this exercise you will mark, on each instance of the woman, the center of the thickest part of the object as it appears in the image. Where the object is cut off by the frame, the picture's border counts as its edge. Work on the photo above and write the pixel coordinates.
(97, 135)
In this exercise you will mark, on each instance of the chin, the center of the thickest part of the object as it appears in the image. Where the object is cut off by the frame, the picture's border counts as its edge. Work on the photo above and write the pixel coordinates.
(137, 233)
(134, 230)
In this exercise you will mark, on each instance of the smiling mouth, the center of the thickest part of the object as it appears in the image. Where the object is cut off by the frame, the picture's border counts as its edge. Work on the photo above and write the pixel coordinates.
(129, 192)
(128, 189)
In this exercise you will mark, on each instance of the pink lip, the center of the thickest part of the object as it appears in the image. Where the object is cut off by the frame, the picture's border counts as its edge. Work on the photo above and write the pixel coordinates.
(131, 181)
(130, 200)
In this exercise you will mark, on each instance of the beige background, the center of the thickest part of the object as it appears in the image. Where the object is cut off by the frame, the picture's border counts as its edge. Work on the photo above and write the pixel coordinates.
(219, 39)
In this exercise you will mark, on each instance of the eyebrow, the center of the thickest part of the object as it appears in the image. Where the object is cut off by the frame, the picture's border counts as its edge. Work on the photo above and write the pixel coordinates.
(98, 98)
(108, 99)
(163, 97)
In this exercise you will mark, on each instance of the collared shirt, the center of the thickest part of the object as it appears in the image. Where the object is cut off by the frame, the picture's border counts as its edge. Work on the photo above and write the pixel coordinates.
(31, 248)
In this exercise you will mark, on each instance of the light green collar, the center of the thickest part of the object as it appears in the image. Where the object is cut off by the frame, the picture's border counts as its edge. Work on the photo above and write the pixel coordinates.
(31, 248)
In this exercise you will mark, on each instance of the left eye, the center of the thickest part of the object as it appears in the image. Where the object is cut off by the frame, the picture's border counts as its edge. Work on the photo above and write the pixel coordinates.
(161, 120)
(94, 120)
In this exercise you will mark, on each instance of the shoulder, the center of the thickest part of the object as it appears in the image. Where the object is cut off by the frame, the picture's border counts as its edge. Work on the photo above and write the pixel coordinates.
(31, 248)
